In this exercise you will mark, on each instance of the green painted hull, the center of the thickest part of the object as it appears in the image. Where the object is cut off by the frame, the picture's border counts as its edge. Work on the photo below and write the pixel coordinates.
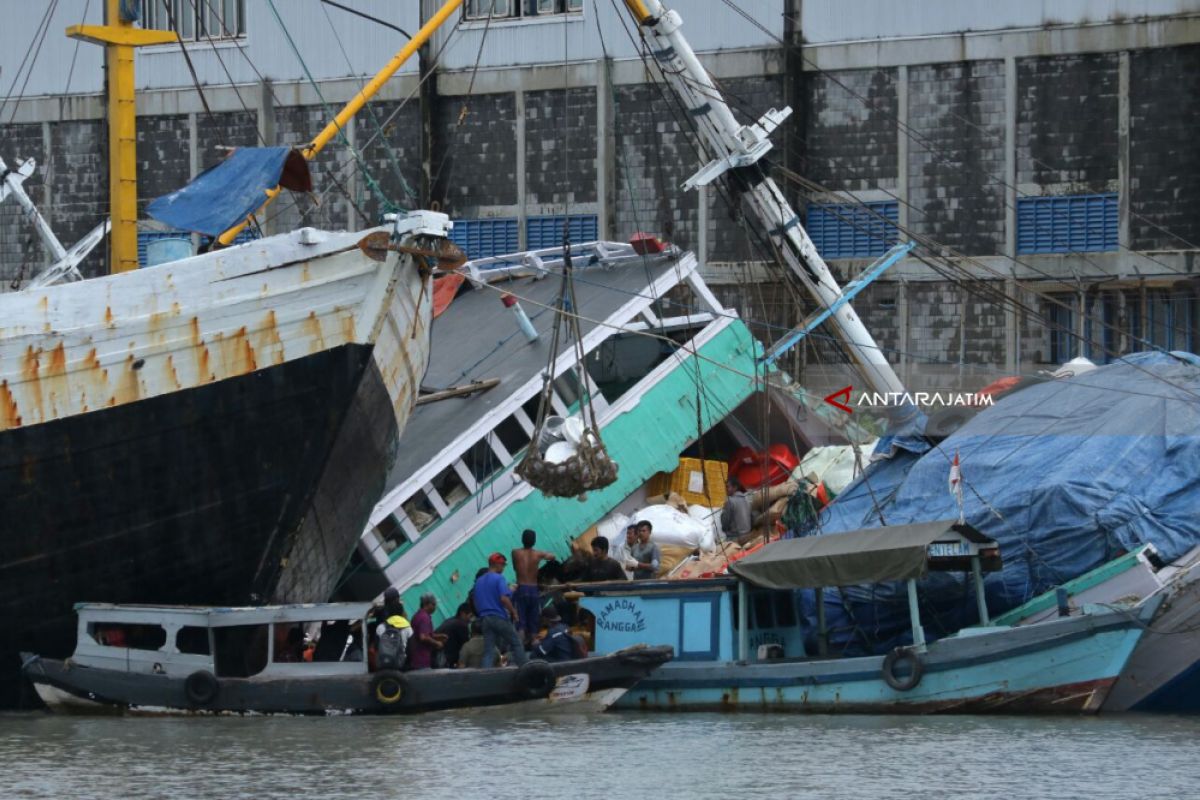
(645, 439)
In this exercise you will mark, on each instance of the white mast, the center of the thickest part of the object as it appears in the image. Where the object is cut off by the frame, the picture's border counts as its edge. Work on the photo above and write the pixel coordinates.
(11, 184)
(739, 147)
(66, 262)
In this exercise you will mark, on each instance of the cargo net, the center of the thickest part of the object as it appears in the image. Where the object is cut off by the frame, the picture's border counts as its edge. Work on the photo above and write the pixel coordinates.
(581, 463)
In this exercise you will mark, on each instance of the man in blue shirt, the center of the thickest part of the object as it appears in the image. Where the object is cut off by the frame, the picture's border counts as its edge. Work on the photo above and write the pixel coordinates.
(557, 644)
(493, 605)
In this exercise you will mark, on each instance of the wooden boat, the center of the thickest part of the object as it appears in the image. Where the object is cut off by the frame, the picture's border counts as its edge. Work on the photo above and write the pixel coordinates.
(1059, 665)
(1163, 674)
(193, 660)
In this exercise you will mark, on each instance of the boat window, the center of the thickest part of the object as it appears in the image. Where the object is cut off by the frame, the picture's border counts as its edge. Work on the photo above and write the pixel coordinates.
(762, 604)
(130, 635)
(785, 610)
(482, 460)
(241, 650)
(289, 643)
(420, 511)
(193, 640)
(512, 435)
(451, 487)
(620, 362)
(390, 533)
(333, 639)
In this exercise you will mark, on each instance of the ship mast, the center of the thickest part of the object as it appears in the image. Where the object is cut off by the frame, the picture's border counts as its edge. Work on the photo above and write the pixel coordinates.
(358, 101)
(737, 148)
(119, 38)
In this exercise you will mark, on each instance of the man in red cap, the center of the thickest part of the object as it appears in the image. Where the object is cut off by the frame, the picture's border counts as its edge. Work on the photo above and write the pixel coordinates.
(497, 615)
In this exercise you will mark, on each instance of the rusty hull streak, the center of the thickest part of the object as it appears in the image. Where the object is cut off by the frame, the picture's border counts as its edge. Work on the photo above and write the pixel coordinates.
(169, 372)
(128, 389)
(30, 366)
(56, 377)
(9, 416)
(268, 338)
(312, 327)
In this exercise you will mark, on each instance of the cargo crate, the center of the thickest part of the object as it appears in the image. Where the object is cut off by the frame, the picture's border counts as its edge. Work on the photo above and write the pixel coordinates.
(688, 482)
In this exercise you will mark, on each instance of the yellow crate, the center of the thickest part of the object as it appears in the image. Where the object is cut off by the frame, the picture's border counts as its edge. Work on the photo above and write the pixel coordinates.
(688, 482)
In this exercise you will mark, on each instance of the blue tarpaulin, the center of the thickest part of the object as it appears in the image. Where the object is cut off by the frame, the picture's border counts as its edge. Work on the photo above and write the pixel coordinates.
(225, 195)
(1065, 475)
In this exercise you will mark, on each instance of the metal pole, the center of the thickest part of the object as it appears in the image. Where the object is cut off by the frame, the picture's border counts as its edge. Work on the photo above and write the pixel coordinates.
(358, 101)
(743, 623)
(735, 146)
(120, 38)
(980, 599)
(915, 614)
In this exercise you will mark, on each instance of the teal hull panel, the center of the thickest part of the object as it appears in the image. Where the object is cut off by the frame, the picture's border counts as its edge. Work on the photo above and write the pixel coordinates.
(1071, 676)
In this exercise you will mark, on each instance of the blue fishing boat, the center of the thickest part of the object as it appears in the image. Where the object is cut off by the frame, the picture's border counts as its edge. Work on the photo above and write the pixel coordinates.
(741, 643)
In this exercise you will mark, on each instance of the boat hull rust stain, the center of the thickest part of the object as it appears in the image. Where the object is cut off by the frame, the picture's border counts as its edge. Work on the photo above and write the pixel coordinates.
(87, 367)
(1076, 698)
(284, 451)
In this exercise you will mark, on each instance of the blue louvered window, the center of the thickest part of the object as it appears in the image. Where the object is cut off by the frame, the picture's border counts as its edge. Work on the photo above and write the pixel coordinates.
(1073, 224)
(863, 230)
(484, 238)
(548, 231)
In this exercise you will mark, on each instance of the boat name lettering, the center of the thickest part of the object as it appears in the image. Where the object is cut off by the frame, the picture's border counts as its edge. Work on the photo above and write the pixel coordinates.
(624, 616)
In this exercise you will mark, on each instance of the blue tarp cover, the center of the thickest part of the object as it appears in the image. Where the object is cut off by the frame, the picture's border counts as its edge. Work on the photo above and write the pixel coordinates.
(1065, 475)
(224, 195)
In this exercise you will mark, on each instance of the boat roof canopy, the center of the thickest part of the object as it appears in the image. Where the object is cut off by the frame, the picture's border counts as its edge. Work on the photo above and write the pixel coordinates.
(222, 616)
(871, 555)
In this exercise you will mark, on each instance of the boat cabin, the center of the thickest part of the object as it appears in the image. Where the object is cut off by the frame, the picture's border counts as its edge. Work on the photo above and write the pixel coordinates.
(228, 642)
(755, 614)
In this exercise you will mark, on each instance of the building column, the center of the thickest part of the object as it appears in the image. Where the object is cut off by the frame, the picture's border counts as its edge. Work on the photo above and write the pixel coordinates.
(522, 187)
(352, 175)
(195, 162)
(606, 168)
(1011, 354)
(702, 226)
(903, 329)
(902, 137)
(1123, 183)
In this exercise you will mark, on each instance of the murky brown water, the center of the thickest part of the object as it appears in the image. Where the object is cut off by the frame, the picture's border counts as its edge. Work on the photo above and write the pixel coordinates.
(609, 757)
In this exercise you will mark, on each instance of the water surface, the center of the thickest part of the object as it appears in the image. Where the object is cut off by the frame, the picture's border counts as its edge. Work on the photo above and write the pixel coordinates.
(606, 757)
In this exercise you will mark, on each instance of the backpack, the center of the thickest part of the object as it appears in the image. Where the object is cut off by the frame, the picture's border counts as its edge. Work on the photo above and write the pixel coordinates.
(391, 648)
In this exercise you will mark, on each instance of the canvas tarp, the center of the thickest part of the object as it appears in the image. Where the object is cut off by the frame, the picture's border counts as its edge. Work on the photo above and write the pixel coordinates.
(225, 195)
(1064, 475)
(894, 553)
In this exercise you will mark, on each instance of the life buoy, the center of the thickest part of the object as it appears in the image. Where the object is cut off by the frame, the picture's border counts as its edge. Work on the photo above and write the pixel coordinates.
(389, 687)
(201, 688)
(535, 679)
(899, 656)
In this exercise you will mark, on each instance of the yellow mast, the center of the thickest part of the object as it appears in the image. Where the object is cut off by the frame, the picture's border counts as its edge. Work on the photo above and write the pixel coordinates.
(119, 38)
(358, 101)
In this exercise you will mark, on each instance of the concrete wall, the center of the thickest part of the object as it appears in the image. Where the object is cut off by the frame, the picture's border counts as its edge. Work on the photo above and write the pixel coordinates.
(954, 130)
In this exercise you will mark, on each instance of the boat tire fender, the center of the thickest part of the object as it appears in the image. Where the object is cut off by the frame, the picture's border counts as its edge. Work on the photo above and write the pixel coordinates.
(201, 687)
(389, 687)
(916, 669)
(536, 679)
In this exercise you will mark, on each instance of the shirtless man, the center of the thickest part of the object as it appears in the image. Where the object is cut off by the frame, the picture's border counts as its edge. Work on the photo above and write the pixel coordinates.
(525, 562)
